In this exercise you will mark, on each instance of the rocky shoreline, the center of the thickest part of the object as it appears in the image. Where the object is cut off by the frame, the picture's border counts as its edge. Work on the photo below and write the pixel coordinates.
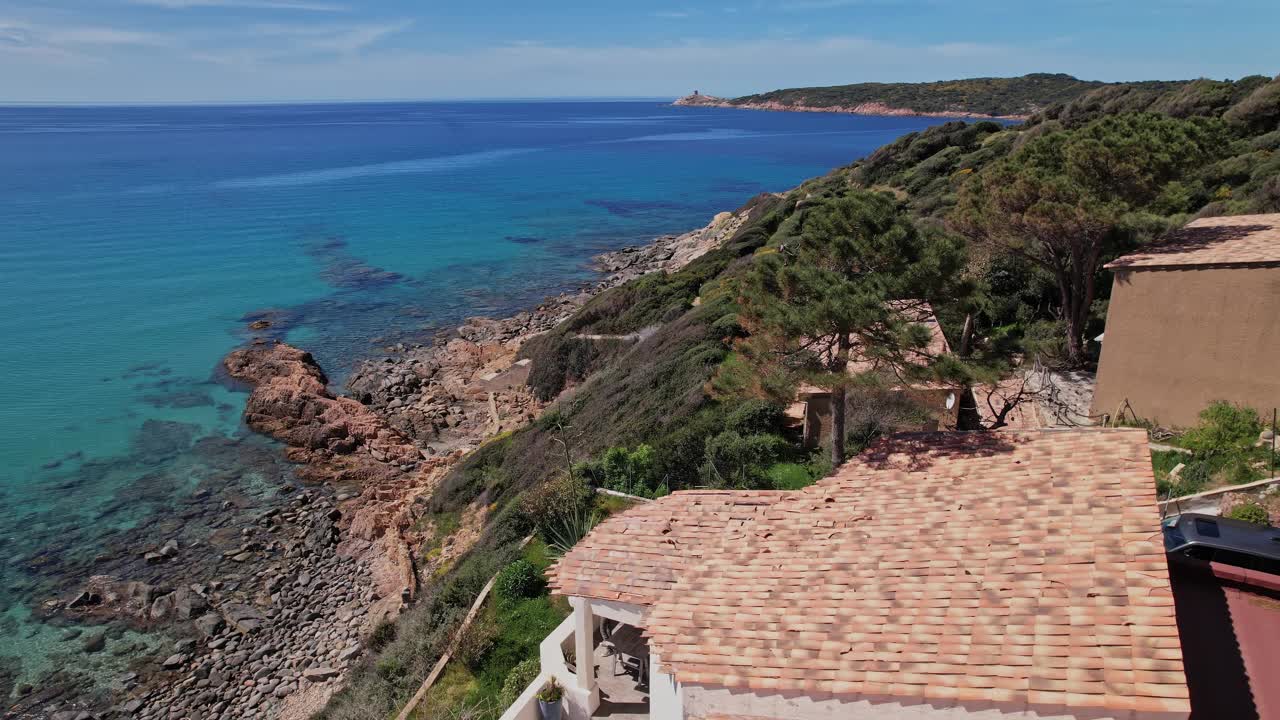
(286, 594)
(868, 108)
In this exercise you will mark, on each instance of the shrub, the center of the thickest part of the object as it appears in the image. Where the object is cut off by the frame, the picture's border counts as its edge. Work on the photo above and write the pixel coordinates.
(520, 677)
(384, 633)
(561, 536)
(755, 417)
(390, 669)
(629, 471)
(741, 461)
(518, 581)
(1250, 512)
(476, 641)
(790, 476)
(557, 361)
(551, 502)
(1224, 429)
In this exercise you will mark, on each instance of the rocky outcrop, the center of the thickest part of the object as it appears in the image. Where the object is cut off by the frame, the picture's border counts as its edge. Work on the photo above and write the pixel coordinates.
(291, 402)
(669, 252)
(867, 108)
(449, 396)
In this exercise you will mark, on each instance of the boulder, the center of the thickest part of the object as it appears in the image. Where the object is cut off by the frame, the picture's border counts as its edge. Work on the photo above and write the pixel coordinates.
(187, 604)
(319, 674)
(161, 607)
(244, 618)
(209, 624)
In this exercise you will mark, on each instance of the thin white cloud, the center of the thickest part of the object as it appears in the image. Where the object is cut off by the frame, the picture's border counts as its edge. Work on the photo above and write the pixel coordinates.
(280, 67)
(303, 5)
(82, 43)
(671, 14)
(341, 39)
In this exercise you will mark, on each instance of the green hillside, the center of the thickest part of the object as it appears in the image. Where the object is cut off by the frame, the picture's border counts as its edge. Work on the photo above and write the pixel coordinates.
(693, 404)
(1017, 96)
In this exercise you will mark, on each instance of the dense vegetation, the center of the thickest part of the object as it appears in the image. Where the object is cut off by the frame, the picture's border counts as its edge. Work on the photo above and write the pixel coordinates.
(1222, 449)
(1016, 96)
(694, 404)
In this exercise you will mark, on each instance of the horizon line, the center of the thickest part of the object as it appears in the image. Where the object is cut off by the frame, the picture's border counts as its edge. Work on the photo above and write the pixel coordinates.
(350, 101)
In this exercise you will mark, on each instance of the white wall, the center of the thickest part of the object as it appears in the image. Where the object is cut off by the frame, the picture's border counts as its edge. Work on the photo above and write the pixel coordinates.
(526, 706)
(701, 700)
(666, 701)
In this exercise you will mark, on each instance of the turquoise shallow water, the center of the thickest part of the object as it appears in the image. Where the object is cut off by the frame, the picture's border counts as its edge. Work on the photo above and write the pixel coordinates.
(135, 241)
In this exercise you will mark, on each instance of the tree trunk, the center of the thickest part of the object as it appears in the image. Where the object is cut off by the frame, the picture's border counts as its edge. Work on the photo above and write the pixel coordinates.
(1075, 344)
(837, 425)
(841, 367)
(966, 335)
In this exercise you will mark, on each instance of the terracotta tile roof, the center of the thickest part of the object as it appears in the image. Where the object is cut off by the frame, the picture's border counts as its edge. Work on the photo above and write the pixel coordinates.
(1231, 240)
(635, 556)
(918, 312)
(1020, 567)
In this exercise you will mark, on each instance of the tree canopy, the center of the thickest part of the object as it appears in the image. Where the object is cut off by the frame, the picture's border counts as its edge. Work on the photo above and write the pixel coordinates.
(1065, 199)
(853, 279)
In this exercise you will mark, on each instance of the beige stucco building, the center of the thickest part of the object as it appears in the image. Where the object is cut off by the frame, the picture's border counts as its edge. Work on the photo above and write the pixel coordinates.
(1195, 319)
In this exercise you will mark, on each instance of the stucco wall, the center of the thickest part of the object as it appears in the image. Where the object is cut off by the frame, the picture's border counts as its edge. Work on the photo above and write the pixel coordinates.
(1177, 340)
(700, 700)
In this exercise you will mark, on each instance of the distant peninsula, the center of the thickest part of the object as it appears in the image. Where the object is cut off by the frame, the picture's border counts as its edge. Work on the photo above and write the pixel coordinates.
(1015, 98)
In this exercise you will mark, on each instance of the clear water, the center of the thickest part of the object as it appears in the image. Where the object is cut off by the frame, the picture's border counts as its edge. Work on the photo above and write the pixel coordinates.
(134, 241)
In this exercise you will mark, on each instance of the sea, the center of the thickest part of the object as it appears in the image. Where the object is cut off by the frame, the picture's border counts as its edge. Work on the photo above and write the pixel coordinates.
(137, 243)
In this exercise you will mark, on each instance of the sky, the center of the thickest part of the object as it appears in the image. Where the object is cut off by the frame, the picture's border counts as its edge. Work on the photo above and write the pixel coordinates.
(97, 51)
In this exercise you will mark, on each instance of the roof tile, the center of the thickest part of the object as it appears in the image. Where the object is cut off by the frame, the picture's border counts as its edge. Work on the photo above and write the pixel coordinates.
(1022, 567)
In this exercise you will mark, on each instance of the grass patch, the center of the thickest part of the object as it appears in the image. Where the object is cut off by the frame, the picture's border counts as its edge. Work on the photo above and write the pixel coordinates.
(450, 693)
(537, 553)
(791, 476)
(445, 524)
(521, 626)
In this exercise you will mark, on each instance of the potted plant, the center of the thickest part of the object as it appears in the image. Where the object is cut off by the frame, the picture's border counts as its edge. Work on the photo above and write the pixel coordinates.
(549, 700)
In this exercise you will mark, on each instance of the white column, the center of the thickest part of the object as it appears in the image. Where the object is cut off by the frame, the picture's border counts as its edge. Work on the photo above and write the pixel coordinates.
(584, 697)
(584, 642)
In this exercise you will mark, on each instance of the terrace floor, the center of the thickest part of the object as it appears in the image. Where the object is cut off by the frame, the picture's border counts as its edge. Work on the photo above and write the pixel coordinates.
(621, 696)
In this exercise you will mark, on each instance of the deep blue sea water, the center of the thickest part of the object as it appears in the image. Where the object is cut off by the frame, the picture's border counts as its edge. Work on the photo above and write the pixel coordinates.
(135, 242)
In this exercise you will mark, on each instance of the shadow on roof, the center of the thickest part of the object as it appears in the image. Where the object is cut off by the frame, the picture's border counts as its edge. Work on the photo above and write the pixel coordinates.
(1185, 240)
(917, 452)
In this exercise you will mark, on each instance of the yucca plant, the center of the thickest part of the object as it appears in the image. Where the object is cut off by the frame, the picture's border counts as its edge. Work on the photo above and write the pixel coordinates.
(567, 530)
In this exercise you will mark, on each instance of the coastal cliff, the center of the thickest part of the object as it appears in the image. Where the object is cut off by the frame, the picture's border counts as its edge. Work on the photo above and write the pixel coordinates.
(865, 108)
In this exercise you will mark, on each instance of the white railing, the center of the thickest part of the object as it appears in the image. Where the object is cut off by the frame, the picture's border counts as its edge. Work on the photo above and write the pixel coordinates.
(551, 656)
(526, 706)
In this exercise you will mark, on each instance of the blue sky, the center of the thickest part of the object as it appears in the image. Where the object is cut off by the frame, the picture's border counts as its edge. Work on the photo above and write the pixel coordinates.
(280, 50)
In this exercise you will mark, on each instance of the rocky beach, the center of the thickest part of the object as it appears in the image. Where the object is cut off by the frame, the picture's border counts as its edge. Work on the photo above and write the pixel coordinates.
(253, 605)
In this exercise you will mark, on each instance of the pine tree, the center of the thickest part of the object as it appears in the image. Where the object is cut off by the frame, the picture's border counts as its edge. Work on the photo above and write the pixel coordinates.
(851, 283)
